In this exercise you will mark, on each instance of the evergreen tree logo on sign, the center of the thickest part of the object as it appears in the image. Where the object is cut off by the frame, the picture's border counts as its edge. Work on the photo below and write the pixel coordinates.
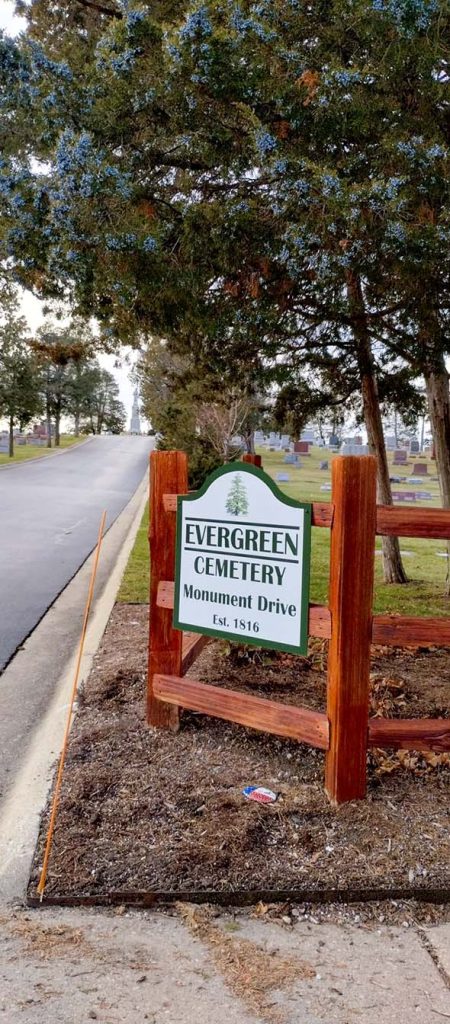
(237, 501)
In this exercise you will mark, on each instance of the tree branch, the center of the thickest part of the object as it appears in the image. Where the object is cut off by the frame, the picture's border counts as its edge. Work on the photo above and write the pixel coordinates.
(100, 8)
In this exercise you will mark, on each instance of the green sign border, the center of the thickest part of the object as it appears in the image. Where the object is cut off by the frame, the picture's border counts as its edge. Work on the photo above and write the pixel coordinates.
(304, 581)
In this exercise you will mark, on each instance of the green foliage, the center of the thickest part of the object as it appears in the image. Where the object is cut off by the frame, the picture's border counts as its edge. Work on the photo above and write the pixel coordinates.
(171, 391)
(209, 174)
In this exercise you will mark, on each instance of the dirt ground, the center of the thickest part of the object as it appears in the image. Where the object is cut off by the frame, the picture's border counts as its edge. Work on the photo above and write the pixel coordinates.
(149, 811)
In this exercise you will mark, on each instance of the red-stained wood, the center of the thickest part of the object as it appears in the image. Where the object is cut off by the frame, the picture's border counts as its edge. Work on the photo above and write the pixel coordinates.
(168, 473)
(351, 595)
(411, 521)
(322, 512)
(253, 460)
(319, 615)
(193, 644)
(406, 631)
(265, 715)
(410, 733)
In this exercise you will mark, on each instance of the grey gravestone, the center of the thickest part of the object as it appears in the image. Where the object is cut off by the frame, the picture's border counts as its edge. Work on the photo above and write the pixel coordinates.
(354, 449)
(325, 487)
(324, 464)
(413, 479)
(414, 446)
(282, 478)
(292, 459)
(334, 441)
(395, 479)
(424, 495)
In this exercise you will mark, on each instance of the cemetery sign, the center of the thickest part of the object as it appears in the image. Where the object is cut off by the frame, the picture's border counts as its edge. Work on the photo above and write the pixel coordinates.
(243, 560)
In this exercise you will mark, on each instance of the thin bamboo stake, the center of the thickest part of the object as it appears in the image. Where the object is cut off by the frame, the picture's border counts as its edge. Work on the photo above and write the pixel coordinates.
(62, 758)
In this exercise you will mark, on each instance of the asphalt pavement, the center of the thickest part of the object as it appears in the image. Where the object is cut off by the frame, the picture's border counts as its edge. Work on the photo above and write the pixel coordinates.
(50, 512)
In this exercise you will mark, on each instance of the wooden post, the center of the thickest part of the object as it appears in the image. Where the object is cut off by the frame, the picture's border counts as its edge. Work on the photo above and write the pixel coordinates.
(168, 475)
(254, 460)
(350, 602)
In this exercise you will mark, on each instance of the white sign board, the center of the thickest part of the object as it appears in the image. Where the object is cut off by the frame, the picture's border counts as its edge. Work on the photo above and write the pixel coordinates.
(243, 557)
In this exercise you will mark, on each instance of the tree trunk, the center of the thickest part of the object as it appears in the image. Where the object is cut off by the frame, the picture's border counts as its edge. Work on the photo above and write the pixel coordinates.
(77, 423)
(392, 563)
(249, 438)
(437, 385)
(49, 426)
(57, 427)
(11, 437)
(48, 414)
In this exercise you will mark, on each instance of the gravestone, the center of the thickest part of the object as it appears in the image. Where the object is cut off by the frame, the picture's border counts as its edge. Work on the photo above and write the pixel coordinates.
(285, 441)
(334, 441)
(414, 446)
(424, 495)
(292, 459)
(354, 449)
(307, 435)
(325, 487)
(400, 456)
(357, 439)
(282, 478)
(324, 464)
(4, 445)
(420, 469)
(302, 447)
(404, 495)
(395, 479)
(413, 480)
(390, 442)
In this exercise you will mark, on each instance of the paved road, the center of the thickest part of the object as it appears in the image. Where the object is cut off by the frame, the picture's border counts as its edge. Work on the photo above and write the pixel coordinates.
(50, 513)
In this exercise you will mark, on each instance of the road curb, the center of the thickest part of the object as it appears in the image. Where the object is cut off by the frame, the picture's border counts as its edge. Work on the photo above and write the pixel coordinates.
(22, 805)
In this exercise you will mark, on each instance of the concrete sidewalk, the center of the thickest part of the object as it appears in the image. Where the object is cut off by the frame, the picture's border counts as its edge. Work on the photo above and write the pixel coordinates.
(125, 967)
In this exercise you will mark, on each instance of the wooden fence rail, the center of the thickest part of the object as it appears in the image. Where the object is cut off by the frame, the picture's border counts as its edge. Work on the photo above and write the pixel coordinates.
(345, 732)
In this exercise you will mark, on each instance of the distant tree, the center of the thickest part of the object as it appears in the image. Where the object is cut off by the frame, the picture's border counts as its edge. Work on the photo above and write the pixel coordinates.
(223, 423)
(101, 408)
(63, 352)
(20, 399)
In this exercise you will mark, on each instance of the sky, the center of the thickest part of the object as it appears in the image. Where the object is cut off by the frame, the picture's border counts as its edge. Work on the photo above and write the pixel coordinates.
(31, 307)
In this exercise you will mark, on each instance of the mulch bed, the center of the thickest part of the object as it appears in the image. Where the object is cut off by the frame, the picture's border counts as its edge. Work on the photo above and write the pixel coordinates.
(148, 811)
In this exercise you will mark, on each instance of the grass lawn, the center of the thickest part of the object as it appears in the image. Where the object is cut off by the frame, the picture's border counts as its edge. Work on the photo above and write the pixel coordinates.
(24, 452)
(425, 569)
(135, 583)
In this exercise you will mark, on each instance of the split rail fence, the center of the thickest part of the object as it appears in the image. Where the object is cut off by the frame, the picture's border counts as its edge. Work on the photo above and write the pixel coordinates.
(345, 731)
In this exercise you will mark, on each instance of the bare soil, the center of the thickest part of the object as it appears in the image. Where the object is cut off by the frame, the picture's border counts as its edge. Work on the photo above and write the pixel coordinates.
(150, 811)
